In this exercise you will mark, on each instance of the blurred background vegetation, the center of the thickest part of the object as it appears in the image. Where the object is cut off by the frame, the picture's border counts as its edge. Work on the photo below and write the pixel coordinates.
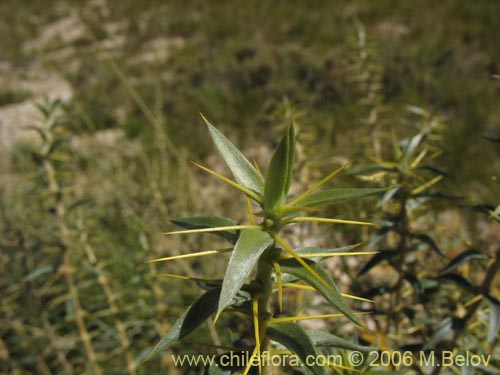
(84, 198)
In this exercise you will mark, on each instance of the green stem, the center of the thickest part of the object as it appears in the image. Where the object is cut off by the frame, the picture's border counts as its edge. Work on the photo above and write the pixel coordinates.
(401, 250)
(484, 289)
(263, 278)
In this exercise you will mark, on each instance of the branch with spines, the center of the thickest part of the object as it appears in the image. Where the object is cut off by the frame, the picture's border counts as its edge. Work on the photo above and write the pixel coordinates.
(262, 246)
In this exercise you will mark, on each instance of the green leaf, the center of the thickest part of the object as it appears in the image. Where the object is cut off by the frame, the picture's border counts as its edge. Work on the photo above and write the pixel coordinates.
(195, 314)
(243, 171)
(39, 271)
(387, 255)
(246, 253)
(444, 332)
(295, 339)
(331, 293)
(280, 170)
(460, 281)
(332, 196)
(201, 222)
(494, 320)
(466, 256)
(428, 241)
(320, 338)
(304, 251)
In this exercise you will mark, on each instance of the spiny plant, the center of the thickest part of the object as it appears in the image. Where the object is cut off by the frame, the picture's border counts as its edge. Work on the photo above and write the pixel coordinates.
(409, 167)
(428, 288)
(261, 245)
(366, 75)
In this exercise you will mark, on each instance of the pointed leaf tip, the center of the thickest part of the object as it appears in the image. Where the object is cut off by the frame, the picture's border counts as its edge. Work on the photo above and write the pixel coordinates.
(195, 314)
(280, 171)
(244, 172)
(201, 222)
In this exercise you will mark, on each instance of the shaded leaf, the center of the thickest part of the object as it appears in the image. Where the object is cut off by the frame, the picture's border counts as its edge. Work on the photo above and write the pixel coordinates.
(466, 256)
(246, 253)
(295, 339)
(444, 332)
(484, 208)
(215, 369)
(437, 194)
(304, 251)
(369, 169)
(332, 196)
(492, 139)
(387, 255)
(331, 292)
(459, 280)
(429, 241)
(201, 222)
(243, 171)
(377, 291)
(195, 315)
(436, 171)
(280, 170)
(421, 286)
(321, 338)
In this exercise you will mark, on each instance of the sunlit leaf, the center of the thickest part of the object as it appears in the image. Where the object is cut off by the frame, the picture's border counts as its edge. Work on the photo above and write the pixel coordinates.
(312, 251)
(280, 170)
(494, 320)
(296, 340)
(243, 171)
(412, 144)
(417, 111)
(247, 251)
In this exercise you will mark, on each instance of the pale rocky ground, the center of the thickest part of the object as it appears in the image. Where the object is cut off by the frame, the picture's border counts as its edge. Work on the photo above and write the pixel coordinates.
(15, 118)
(55, 42)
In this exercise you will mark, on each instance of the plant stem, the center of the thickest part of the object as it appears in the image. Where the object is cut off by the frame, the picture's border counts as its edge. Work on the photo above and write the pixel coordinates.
(110, 298)
(401, 249)
(263, 278)
(66, 268)
(484, 289)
